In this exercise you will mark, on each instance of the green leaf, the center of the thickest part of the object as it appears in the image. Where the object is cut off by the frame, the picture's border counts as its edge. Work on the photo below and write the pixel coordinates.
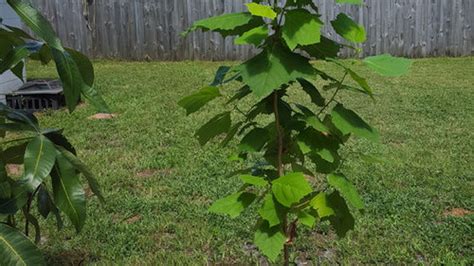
(220, 75)
(196, 101)
(88, 89)
(307, 217)
(301, 28)
(343, 221)
(255, 140)
(272, 211)
(18, 199)
(314, 141)
(70, 77)
(81, 167)
(349, 122)
(361, 81)
(326, 48)
(43, 201)
(314, 122)
(254, 180)
(273, 67)
(234, 204)
(254, 36)
(14, 57)
(348, 29)
(14, 154)
(17, 249)
(261, 10)
(353, 2)
(36, 22)
(227, 24)
(270, 240)
(40, 155)
(291, 188)
(387, 65)
(69, 195)
(313, 92)
(321, 205)
(347, 190)
(216, 126)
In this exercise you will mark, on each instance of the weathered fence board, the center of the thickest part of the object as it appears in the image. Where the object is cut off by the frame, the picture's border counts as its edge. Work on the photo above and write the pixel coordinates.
(149, 29)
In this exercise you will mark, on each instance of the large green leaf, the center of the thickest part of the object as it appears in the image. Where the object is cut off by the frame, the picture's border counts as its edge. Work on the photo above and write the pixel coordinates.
(216, 126)
(227, 24)
(321, 205)
(36, 22)
(196, 101)
(347, 121)
(301, 28)
(343, 221)
(326, 48)
(273, 67)
(254, 36)
(255, 140)
(81, 167)
(69, 196)
(261, 10)
(233, 205)
(347, 190)
(387, 65)
(17, 249)
(348, 29)
(270, 240)
(40, 155)
(254, 180)
(291, 188)
(272, 211)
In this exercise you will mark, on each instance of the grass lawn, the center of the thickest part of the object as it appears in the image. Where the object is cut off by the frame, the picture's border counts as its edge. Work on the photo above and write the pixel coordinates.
(159, 182)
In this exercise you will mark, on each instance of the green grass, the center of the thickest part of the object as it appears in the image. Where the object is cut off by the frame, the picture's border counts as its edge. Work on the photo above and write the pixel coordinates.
(423, 167)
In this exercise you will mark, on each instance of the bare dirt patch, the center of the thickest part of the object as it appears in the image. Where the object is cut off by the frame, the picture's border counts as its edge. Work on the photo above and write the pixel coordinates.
(457, 212)
(102, 116)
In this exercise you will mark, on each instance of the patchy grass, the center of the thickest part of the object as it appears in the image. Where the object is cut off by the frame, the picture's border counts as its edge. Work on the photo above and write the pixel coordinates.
(159, 182)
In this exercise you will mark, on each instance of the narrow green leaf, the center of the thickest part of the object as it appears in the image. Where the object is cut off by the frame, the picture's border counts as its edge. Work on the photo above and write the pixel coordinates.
(301, 28)
(387, 65)
(40, 155)
(291, 188)
(233, 205)
(17, 249)
(254, 36)
(216, 126)
(313, 92)
(43, 201)
(227, 24)
(81, 167)
(347, 190)
(70, 76)
(254, 180)
(69, 195)
(361, 81)
(349, 122)
(261, 10)
(270, 240)
(348, 29)
(14, 57)
(220, 76)
(272, 211)
(196, 101)
(321, 205)
(36, 22)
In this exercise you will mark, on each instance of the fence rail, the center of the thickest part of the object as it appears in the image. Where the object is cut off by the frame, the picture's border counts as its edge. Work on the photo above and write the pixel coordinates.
(149, 29)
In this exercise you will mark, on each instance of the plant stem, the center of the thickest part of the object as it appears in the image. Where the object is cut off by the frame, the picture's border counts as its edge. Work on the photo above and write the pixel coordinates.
(334, 95)
(280, 169)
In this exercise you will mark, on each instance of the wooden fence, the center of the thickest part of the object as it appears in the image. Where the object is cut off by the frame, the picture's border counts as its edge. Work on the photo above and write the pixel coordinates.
(149, 29)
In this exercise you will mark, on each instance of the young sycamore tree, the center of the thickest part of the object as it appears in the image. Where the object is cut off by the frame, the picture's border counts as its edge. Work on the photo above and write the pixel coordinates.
(298, 180)
(51, 175)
